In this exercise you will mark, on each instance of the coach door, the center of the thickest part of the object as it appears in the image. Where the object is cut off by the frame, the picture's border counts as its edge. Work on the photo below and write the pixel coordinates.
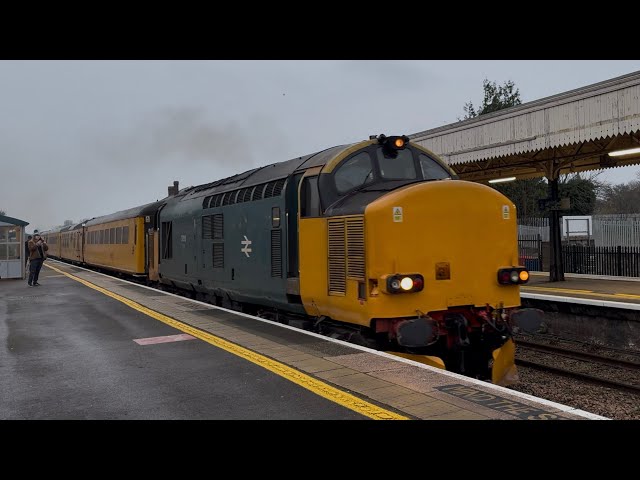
(152, 255)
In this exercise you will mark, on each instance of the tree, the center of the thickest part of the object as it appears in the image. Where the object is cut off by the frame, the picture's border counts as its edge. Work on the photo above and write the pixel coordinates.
(525, 195)
(581, 191)
(67, 223)
(2, 212)
(496, 97)
(620, 199)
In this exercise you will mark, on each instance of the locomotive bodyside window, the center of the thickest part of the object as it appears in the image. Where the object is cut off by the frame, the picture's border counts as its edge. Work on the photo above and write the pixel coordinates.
(431, 170)
(356, 171)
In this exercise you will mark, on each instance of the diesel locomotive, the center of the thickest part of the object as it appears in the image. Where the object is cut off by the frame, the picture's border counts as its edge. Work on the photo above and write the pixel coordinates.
(376, 242)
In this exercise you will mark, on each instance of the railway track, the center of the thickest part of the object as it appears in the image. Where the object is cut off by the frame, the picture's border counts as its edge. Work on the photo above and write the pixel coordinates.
(561, 354)
(578, 355)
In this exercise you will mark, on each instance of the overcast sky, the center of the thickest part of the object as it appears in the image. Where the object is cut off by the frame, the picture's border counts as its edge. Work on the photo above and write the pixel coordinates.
(80, 139)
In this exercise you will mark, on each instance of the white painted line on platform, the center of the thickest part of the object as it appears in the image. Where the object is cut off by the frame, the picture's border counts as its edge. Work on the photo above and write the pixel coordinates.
(582, 301)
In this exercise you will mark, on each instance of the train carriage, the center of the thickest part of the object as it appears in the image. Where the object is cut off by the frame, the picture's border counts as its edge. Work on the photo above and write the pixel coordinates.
(71, 240)
(120, 241)
(52, 237)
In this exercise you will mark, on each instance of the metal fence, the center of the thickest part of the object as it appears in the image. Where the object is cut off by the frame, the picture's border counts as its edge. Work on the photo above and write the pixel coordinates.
(608, 230)
(534, 226)
(584, 259)
(615, 261)
(616, 230)
(530, 252)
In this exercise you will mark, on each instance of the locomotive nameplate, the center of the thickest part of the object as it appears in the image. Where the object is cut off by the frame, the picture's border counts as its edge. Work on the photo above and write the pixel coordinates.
(496, 402)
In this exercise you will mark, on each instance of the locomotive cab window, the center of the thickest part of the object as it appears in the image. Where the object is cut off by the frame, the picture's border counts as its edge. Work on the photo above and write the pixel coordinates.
(432, 170)
(398, 167)
(356, 171)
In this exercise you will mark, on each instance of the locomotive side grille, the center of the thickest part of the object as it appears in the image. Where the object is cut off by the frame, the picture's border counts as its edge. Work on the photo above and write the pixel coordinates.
(337, 266)
(257, 192)
(277, 189)
(268, 191)
(355, 248)
(207, 227)
(218, 255)
(274, 189)
(218, 226)
(276, 253)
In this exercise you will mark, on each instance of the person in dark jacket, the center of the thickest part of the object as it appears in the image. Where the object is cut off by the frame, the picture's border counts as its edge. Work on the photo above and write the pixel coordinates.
(37, 253)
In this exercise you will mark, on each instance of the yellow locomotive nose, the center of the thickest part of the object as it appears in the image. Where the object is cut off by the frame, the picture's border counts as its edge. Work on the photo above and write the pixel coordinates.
(456, 234)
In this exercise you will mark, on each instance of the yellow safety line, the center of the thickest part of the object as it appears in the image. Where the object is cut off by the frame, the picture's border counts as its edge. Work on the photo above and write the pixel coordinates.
(563, 290)
(585, 292)
(296, 376)
(626, 295)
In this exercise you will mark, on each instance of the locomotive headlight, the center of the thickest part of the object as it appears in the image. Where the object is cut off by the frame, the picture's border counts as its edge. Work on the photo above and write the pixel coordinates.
(403, 283)
(406, 283)
(393, 144)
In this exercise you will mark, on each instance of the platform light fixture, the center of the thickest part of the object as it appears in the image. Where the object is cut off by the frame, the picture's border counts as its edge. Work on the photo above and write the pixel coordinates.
(629, 151)
(500, 180)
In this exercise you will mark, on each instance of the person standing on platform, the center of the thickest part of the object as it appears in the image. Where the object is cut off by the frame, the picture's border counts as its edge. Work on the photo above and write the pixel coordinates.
(37, 253)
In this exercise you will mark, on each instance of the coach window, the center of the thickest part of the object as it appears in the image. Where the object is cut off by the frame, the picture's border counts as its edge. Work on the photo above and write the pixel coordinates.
(400, 167)
(309, 198)
(432, 170)
(356, 171)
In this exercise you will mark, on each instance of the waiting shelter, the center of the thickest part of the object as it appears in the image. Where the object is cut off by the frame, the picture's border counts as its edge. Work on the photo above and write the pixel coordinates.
(12, 248)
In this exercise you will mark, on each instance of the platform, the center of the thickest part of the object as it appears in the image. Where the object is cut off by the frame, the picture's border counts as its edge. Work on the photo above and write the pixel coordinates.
(589, 290)
(89, 346)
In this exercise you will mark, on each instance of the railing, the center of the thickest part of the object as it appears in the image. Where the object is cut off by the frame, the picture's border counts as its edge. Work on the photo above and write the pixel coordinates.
(615, 261)
(608, 230)
(584, 259)
(530, 252)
